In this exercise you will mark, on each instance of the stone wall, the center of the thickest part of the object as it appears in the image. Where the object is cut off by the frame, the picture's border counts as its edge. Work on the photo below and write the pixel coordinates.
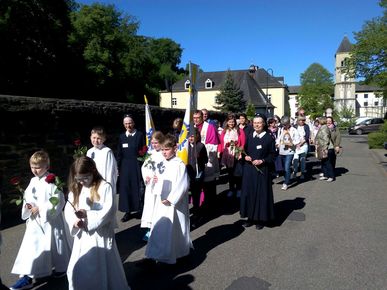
(29, 124)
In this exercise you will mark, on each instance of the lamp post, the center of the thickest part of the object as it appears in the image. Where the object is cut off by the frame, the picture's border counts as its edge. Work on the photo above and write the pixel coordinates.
(267, 88)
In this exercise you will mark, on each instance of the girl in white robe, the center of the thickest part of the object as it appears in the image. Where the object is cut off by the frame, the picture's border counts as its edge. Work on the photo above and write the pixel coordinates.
(151, 171)
(90, 213)
(45, 248)
(170, 232)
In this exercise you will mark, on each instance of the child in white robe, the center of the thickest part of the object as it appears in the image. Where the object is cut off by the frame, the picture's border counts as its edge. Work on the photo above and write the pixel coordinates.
(151, 170)
(45, 249)
(103, 157)
(90, 213)
(170, 232)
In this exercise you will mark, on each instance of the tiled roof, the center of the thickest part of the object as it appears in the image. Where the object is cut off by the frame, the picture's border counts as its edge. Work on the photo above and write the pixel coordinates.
(366, 88)
(294, 89)
(250, 83)
(345, 45)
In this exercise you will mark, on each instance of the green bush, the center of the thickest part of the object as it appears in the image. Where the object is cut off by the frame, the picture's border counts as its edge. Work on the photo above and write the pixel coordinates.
(376, 140)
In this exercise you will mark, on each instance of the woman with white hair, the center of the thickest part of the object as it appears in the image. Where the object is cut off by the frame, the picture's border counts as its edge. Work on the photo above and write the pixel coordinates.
(287, 140)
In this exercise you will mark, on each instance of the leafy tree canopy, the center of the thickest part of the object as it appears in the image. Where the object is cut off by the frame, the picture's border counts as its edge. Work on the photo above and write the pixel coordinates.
(316, 90)
(368, 55)
(230, 97)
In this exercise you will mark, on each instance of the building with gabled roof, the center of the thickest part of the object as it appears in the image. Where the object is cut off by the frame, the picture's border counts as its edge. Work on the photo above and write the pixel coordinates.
(267, 93)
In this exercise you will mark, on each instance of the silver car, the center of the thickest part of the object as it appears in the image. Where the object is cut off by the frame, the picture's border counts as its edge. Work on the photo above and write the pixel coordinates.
(366, 126)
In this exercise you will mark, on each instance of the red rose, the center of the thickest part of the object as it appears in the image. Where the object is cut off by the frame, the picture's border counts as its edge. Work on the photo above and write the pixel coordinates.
(227, 144)
(77, 142)
(50, 178)
(15, 180)
(143, 150)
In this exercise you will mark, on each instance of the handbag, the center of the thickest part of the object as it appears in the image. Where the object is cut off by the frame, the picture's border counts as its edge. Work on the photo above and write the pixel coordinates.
(321, 153)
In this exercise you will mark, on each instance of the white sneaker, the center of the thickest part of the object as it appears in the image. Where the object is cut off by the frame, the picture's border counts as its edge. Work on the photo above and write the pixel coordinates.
(329, 179)
(284, 187)
(323, 178)
(321, 174)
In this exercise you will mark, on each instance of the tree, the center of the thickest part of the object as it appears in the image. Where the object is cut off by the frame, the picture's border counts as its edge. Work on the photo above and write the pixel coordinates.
(230, 97)
(368, 55)
(316, 90)
(250, 111)
(35, 59)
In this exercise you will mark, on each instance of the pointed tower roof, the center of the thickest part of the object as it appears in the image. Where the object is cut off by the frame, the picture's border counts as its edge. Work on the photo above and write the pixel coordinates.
(345, 45)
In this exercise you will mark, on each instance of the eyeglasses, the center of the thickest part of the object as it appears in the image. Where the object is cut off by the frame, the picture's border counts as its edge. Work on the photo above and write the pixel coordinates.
(83, 178)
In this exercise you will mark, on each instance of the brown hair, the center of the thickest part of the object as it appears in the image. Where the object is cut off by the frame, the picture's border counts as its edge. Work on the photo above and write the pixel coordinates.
(100, 131)
(159, 136)
(169, 141)
(84, 165)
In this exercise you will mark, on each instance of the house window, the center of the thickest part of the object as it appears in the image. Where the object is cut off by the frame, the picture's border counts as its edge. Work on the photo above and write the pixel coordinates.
(365, 96)
(376, 103)
(365, 104)
(208, 84)
(174, 101)
(187, 84)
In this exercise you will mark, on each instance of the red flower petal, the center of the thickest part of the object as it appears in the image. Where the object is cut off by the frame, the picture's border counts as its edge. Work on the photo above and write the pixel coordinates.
(15, 180)
(50, 178)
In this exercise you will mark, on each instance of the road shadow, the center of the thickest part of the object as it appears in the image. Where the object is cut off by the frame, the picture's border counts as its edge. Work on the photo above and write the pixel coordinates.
(162, 276)
(339, 171)
(220, 205)
(284, 208)
(129, 241)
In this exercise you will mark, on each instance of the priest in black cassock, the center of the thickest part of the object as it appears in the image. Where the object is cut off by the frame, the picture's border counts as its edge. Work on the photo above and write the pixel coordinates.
(257, 202)
(130, 186)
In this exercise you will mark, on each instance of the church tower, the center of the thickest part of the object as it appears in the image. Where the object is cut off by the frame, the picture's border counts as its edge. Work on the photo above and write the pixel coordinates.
(344, 84)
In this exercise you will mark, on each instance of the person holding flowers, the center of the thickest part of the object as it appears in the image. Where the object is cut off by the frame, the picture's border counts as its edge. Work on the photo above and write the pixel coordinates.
(131, 145)
(45, 249)
(151, 170)
(257, 202)
(90, 214)
(231, 139)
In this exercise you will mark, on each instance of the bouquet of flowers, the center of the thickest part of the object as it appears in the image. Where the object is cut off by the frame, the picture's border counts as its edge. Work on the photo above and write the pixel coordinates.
(143, 154)
(80, 150)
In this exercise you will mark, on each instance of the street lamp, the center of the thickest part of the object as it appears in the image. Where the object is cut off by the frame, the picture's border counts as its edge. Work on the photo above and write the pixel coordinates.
(267, 88)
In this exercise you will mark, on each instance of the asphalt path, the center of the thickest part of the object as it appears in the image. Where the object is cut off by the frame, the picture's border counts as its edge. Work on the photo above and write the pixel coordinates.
(325, 236)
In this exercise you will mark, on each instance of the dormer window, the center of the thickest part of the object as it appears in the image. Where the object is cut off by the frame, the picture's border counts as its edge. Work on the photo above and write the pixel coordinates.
(208, 84)
(187, 84)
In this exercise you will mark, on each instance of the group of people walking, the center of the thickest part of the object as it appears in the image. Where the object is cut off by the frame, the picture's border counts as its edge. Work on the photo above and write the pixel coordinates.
(76, 236)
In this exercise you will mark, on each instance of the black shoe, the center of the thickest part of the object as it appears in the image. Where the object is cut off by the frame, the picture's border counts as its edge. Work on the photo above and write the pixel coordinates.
(259, 227)
(126, 217)
(247, 224)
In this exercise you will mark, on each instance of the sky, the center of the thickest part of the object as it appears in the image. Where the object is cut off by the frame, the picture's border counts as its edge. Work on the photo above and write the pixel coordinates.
(286, 36)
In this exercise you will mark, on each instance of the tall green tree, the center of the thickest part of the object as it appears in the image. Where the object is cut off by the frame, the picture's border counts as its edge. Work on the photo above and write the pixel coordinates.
(105, 42)
(34, 55)
(316, 90)
(368, 55)
(230, 97)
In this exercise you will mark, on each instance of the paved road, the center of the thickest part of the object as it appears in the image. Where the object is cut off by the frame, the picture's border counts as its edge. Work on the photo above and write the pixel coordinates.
(326, 236)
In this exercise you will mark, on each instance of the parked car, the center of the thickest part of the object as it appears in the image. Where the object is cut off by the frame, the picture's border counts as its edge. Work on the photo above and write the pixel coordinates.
(366, 126)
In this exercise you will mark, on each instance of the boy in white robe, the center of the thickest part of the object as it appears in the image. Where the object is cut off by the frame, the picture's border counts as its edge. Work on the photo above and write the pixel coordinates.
(45, 249)
(103, 157)
(170, 232)
(151, 170)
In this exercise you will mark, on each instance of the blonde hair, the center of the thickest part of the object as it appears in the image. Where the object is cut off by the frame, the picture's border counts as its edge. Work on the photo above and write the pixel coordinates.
(84, 165)
(169, 141)
(40, 158)
(322, 120)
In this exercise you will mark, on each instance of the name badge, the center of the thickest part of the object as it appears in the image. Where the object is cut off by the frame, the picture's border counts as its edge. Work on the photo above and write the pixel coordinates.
(259, 147)
(125, 145)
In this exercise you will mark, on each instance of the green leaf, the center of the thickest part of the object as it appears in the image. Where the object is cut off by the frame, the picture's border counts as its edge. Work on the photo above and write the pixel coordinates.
(54, 200)
(18, 201)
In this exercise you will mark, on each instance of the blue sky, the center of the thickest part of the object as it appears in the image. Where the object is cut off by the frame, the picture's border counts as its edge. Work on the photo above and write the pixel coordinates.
(284, 35)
